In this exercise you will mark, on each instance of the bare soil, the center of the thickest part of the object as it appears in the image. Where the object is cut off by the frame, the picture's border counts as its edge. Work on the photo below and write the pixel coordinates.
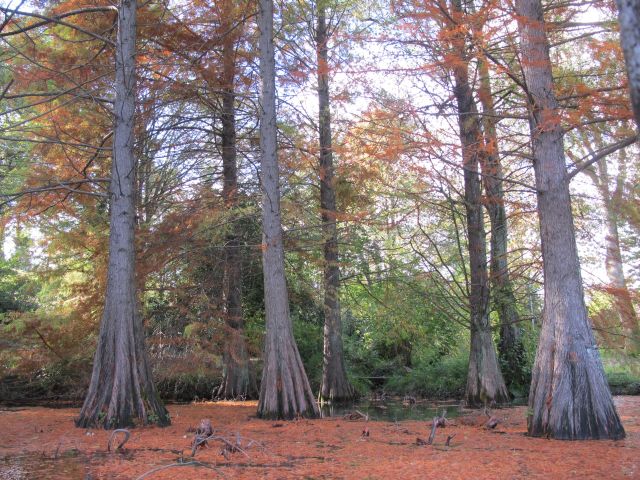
(43, 443)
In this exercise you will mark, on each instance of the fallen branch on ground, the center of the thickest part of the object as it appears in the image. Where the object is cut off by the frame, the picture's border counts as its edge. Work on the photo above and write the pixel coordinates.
(228, 447)
(356, 415)
(171, 465)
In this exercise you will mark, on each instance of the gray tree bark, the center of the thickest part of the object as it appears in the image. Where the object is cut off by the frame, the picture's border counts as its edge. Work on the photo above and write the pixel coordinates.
(335, 384)
(629, 16)
(510, 346)
(285, 391)
(569, 397)
(484, 378)
(121, 389)
(237, 380)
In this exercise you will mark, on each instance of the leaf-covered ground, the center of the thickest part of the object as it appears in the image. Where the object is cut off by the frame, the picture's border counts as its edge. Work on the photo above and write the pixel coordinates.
(43, 443)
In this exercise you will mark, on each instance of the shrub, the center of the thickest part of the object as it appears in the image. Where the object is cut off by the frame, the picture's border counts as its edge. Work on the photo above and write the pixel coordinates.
(440, 378)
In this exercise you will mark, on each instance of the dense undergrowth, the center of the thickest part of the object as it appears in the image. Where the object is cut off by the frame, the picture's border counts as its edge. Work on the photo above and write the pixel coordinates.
(395, 340)
(64, 384)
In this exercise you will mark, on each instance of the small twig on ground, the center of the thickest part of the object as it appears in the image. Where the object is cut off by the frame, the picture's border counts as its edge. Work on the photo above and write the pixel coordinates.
(256, 442)
(228, 446)
(231, 448)
(127, 434)
(206, 433)
(171, 465)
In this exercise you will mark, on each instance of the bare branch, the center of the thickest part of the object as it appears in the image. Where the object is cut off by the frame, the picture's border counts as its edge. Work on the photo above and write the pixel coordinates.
(600, 154)
(57, 20)
(6, 89)
(70, 186)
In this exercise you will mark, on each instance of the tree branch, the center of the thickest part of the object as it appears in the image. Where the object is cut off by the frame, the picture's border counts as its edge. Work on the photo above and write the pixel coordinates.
(70, 186)
(57, 20)
(600, 154)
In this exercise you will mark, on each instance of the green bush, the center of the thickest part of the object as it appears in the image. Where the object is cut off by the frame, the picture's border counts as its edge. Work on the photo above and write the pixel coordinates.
(444, 377)
(59, 383)
(187, 387)
(309, 338)
(622, 379)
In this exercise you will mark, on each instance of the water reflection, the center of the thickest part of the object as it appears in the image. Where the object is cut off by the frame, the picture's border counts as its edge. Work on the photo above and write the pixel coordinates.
(393, 409)
(37, 467)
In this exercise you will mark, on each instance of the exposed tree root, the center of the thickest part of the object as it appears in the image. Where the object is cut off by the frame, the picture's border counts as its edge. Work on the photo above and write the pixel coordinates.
(492, 422)
(205, 434)
(449, 438)
(440, 421)
(127, 434)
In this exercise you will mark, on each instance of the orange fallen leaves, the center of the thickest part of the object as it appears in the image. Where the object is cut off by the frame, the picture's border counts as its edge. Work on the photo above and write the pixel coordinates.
(325, 448)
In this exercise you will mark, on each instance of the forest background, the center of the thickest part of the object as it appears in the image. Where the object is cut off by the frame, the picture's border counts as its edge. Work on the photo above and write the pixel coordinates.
(400, 217)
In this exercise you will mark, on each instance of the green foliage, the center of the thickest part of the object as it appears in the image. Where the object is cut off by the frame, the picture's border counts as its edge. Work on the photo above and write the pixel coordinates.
(19, 286)
(56, 383)
(623, 373)
(308, 335)
(187, 387)
(623, 382)
(435, 377)
(401, 218)
(397, 342)
(306, 310)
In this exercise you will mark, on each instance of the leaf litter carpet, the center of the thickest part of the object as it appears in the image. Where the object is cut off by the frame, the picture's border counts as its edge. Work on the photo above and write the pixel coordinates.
(43, 443)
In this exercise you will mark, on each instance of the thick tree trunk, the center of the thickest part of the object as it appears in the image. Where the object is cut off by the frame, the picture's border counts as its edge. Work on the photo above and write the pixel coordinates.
(121, 389)
(284, 391)
(569, 397)
(237, 380)
(629, 15)
(335, 385)
(510, 346)
(484, 379)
